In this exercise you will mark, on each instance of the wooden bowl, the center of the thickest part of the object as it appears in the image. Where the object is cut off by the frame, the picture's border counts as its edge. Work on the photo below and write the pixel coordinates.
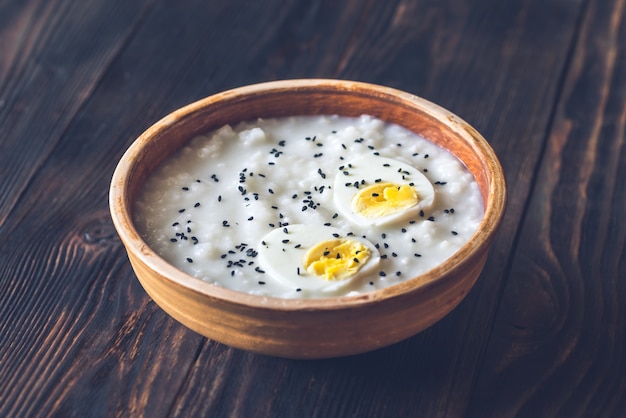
(313, 328)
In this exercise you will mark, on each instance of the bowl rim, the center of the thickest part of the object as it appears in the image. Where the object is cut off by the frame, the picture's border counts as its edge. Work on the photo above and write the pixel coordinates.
(121, 211)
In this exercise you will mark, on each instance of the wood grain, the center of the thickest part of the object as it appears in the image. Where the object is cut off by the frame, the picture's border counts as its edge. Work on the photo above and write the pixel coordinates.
(543, 81)
(559, 332)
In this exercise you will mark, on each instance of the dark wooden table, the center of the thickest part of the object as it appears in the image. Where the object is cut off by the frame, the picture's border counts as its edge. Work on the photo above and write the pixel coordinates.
(543, 333)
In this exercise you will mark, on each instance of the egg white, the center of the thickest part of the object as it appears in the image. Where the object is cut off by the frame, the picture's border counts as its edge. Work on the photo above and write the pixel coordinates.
(281, 253)
(367, 170)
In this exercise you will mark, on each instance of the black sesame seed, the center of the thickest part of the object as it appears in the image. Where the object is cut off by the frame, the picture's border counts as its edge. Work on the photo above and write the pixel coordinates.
(185, 188)
(251, 218)
(181, 210)
(261, 282)
(454, 233)
(196, 205)
(417, 255)
(382, 273)
(189, 260)
(173, 239)
(175, 224)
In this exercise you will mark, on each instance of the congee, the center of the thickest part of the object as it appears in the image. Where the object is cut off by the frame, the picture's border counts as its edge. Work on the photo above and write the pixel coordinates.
(309, 206)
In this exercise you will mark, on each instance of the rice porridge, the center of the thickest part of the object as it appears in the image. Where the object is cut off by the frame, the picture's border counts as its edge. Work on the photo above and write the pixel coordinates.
(309, 206)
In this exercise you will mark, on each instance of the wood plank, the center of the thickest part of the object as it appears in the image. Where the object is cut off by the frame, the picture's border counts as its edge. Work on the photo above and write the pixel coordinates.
(445, 358)
(53, 53)
(86, 336)
(559, 342)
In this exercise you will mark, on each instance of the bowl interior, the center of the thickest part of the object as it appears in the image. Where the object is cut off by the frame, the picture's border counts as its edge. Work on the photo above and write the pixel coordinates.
(314, 97)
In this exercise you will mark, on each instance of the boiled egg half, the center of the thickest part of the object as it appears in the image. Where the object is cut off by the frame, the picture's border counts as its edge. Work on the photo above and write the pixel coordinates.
(374, 190)
(311, 257)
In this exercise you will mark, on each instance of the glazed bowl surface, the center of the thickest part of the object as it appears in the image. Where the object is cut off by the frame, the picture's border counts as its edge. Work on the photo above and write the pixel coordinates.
(308, 328)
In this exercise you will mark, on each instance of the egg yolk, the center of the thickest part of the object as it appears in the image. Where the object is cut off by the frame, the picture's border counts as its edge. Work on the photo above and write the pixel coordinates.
(336, 259)
(383, 199)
